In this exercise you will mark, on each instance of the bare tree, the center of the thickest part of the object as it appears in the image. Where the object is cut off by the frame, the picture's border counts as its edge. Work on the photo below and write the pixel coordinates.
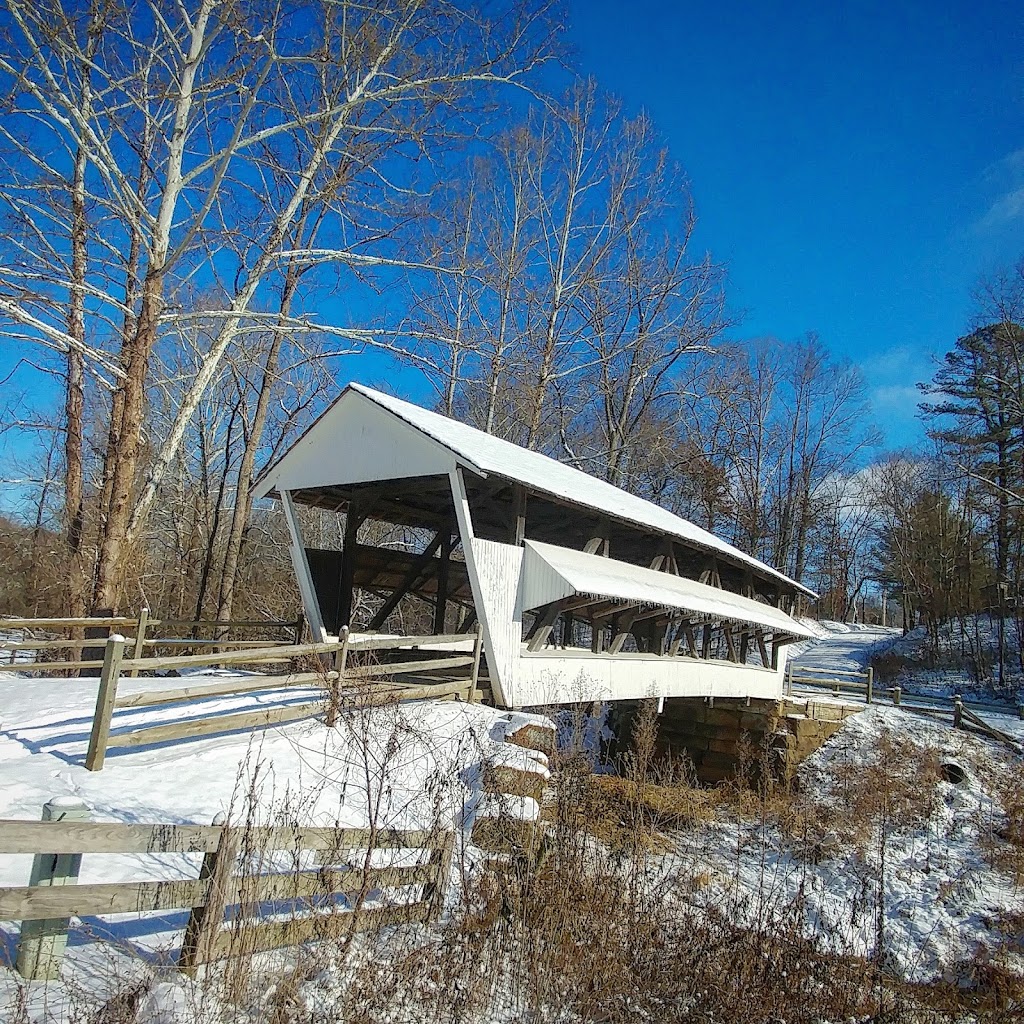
(188, 114)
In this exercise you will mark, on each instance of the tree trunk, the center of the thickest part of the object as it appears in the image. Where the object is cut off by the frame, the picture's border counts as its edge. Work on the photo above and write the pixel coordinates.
(124, 442)
(243, 487)
(74, 400)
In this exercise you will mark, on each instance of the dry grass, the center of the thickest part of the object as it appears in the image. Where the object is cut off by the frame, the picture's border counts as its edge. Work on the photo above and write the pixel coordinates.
(592, 924)
(1005, 846)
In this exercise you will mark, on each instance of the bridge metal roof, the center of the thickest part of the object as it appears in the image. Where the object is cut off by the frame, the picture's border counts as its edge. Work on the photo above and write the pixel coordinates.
(551, 573)
(490, 456)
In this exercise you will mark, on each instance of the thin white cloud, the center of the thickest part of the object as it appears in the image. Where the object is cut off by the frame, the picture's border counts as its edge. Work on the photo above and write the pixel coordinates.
(1004, 181)
(1006, 209)
(901, 397)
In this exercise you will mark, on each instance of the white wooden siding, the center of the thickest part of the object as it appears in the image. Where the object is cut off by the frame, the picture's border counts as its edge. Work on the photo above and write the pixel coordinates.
(542, 583)
(499, 567)
(570, 677)
(355, 442)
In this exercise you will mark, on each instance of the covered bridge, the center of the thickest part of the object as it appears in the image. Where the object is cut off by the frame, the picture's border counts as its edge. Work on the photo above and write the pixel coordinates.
(583, 591)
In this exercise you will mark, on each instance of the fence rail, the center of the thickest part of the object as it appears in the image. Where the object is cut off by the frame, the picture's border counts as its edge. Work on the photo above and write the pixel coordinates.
(224, 900)
(142, 626)
(424, 672)
(831, 679)
(963, 714)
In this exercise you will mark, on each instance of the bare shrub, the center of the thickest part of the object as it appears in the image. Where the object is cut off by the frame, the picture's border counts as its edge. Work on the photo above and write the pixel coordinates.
(887, 666)
(1004, 840)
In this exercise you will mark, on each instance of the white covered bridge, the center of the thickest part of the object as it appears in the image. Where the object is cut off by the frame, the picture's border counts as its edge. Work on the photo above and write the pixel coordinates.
(583, 591)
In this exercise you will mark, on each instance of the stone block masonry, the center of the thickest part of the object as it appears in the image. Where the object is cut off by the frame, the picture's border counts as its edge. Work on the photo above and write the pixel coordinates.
(725, 736)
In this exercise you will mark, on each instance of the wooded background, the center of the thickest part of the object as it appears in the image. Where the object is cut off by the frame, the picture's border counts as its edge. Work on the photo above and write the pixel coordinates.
(216, 213)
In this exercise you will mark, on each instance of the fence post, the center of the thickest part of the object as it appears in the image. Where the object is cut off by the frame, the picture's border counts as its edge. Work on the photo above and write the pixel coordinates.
(41, 944)
(958, 711)
(440, 860)
(334, 692)
(300, 625)
(100, 735)
(789, 678)
(896, 693)
(474, 692)
(1020, 711)
(205, 921)
(140, 639)
(870, 682)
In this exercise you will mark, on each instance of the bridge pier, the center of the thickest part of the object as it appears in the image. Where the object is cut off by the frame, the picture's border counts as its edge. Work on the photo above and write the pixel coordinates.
(726, 736)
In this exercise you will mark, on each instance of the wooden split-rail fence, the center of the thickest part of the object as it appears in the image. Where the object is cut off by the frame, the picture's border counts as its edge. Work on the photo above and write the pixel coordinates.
(144, 628)
(963, 714)
(242, 902)
(350, 672)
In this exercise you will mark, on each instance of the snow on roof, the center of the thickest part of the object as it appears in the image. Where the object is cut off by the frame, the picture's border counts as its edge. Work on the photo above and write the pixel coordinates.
(551, 572)
(491, 455)
(488, 455)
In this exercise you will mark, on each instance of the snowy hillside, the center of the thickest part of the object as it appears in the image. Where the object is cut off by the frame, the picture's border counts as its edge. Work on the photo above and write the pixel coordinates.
(899, 842)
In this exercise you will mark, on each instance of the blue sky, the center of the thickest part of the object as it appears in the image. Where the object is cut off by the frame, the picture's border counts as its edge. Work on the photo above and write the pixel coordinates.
(857, 165)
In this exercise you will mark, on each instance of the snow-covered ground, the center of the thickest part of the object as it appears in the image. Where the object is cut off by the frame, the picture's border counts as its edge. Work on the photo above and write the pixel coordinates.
(922, 876)
(938, 896)
(966, 660)
(842, 646)
(410, 766)
(850, 648)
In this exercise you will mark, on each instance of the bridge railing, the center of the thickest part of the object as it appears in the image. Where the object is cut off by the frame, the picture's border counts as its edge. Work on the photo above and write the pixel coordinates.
(832, 679)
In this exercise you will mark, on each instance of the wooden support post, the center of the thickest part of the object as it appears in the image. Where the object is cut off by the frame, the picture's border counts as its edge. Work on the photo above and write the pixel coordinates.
(671, 565)
(691, 639)
(744, 646)
(100, 735)
(676, 632)
(789, 679)
(348, 565)
(896, 694)
(415, 571)
(705, 647)
(441, 599)
(1020, 711)
(140, 639)
(464, 518)
(870, 683)
(518, 530)
(729, 642)
(300, 563)
(41, 944)
(766, 662)
(440, 861)
(542, 626)
(334, 691)
(478, 647)
(567, 627)
(958, 711)
(622, 630)
(300, 625)
(205, 921)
